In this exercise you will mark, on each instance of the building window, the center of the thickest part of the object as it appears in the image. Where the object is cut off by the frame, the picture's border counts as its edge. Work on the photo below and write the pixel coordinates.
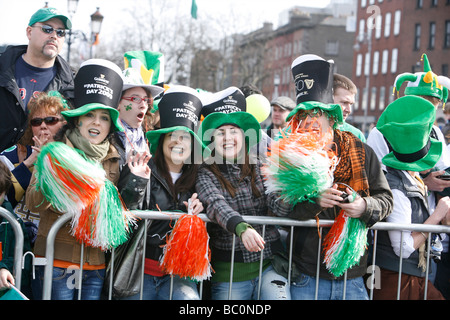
(373, 98)
(381, 101)
(445, 70)
(367, 64)
(387, 25)
(417, 32)
(447, 34)
(358, 64)
(332, 48)
(363, 3)
(384, 62)
(378, 26)
(391, 96)
(397, 18)
(364, 99)
(432, 39)
(376, 62)
(434, 3)
(362, 26)
(394, 60)
(419, 4)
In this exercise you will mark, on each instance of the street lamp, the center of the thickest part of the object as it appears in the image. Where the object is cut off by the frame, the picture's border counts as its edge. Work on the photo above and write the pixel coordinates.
(96, 24)
(72, 6)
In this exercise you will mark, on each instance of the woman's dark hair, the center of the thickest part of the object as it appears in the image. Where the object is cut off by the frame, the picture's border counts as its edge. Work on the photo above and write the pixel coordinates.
(186, 182)
(60, 135)
(247, 169)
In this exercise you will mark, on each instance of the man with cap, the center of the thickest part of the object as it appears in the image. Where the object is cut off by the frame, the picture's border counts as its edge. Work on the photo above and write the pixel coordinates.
(413, 151)
(36, 67)
(357, 172)
(344, 93)
(281, 107)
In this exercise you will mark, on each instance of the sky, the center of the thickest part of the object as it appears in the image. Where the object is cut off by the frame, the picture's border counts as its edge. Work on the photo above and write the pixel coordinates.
(14, 15)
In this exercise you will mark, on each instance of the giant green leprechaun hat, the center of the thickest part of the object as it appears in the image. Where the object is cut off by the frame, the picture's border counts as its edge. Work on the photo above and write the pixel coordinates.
(425, 83)
(228, 107)
(98, 85)
(150, 65)
(313, 78)
(179, 109)
(409, 134)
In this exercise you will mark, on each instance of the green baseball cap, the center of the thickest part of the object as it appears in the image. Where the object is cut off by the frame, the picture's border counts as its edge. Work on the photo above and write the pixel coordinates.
(45, 14)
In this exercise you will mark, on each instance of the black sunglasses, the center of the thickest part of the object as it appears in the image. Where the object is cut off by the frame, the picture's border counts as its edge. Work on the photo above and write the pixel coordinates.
(61, 33)
(36, 122)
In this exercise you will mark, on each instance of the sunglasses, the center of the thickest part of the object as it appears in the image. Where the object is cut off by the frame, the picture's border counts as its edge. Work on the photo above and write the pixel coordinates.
(36, 122)
(61, 33)
(138, 99)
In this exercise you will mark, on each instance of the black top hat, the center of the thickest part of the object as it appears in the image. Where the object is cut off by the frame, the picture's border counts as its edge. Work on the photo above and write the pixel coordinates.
(313, 78)
(226, 101)
(179, 109)
(98, 81)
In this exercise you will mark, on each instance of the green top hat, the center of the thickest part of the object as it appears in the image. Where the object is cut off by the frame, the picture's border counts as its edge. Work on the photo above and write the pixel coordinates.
(408, 133)
(228, 107)
(98, 85)
(114, 114)
(150, 65)
(313, 77)
(424, 83)
(179, 109)
(45, 14)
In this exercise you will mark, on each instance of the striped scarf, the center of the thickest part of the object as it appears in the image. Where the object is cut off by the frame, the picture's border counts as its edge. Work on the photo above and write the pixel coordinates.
(351, 167)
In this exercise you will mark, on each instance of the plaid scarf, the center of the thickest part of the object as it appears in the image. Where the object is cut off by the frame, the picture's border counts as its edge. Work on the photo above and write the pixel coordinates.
(351, 167)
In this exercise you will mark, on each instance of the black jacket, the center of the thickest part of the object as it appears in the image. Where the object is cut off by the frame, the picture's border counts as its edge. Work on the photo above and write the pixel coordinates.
(157, 192)
(13, 119)
(306, 239)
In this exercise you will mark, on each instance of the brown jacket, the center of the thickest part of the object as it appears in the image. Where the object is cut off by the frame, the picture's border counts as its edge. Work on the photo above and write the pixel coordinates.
(66, 246)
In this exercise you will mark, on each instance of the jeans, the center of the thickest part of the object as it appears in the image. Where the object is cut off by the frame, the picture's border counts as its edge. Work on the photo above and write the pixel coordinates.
(158, 288)
(65, 284)
(303, 287)
(273, 287)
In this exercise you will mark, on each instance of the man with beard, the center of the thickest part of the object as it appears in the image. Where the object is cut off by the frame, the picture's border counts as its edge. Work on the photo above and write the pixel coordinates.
(28, 69)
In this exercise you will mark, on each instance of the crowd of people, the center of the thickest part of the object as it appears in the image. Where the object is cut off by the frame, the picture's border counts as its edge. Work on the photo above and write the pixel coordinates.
(173, 148)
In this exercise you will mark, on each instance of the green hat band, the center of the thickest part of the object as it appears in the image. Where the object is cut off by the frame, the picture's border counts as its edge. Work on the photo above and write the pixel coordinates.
(333, 110)
(415, 156)
(93, 106)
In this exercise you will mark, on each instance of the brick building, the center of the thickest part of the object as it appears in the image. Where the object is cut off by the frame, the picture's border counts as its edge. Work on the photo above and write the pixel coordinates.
(390, 38)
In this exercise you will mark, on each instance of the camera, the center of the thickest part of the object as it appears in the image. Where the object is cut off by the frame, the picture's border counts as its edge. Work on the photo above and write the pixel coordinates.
(345, 197)
(436, 247)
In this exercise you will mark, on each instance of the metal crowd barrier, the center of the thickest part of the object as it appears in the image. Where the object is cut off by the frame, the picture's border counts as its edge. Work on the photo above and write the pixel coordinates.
(279, 221)
(18, 264)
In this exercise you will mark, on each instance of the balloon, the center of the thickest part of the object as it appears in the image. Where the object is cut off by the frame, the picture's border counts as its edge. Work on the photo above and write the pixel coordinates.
(258, 106)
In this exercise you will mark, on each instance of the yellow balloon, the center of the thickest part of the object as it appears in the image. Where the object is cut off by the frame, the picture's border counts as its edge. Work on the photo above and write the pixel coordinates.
(258, 106)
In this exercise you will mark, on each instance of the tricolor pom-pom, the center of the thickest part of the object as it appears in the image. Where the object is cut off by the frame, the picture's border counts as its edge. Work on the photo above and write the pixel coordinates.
(76, 185)
(187, 253)
(66, 179)
(344, 244)
(106, 222)
(299, 166)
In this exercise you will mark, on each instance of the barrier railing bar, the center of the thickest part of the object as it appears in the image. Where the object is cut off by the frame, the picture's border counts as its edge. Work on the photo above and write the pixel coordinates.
(18, 250)
(316, 294)
(400, 267)
(374, 254)
(281, 221)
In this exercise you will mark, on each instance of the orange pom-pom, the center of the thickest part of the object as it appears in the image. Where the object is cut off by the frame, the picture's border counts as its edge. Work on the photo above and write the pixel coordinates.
(187, 253)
